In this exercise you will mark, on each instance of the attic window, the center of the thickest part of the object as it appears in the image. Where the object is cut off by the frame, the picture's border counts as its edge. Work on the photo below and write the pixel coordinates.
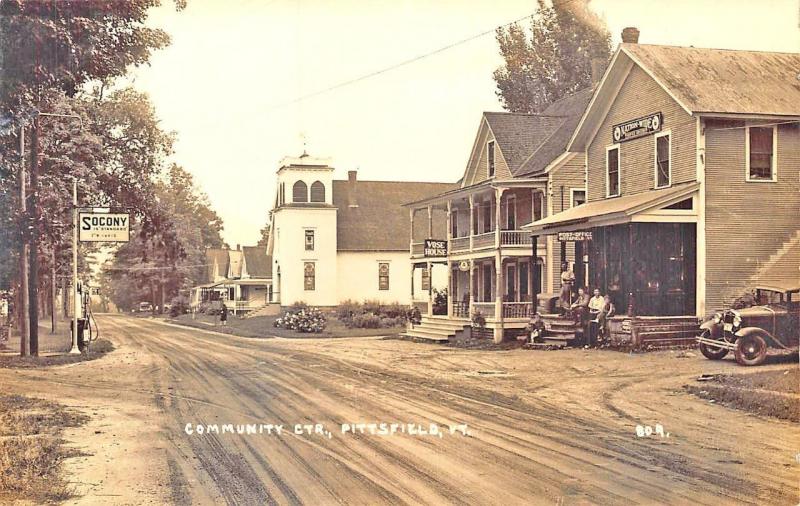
(490, 157)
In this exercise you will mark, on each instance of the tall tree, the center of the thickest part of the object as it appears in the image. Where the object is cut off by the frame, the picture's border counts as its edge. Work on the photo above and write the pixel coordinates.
(552, 59)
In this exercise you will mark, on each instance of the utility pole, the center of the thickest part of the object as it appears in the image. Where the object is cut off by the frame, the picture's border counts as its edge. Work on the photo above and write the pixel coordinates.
(33, 278)
(75, 305)
(23, 256)
(53, 290)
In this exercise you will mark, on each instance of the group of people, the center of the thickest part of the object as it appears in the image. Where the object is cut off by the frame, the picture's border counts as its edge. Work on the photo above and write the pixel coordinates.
(596, 308)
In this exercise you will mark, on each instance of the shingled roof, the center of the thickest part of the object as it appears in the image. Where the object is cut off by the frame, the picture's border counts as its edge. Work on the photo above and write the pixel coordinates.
(518, 135)
(723, 80)
(257, 262)
(378, 222)
(220, 256)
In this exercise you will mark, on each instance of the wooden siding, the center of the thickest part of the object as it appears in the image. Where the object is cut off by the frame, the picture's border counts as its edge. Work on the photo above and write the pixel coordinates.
(478, 170)
(639, 96)
(746, 222)
(571, 175)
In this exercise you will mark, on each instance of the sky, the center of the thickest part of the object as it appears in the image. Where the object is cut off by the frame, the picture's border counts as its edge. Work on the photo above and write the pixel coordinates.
(228, 84)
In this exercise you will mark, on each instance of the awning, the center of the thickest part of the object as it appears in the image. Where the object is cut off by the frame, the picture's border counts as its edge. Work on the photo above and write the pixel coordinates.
(611, 211)
(249, 282)
(207, 285)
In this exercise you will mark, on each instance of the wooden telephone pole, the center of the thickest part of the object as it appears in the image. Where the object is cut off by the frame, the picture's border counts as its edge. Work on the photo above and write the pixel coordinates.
(33, 278)
(23, 255)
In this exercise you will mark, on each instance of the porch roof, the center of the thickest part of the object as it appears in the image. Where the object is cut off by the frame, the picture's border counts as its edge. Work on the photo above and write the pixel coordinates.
(247, 282)
(477, 188)
(610, 211)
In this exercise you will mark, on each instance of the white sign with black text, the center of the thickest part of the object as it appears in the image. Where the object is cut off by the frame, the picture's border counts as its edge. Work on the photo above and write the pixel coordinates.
(104, 227)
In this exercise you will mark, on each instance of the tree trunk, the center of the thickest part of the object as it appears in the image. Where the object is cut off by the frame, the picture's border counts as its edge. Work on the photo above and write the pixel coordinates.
(53, 291)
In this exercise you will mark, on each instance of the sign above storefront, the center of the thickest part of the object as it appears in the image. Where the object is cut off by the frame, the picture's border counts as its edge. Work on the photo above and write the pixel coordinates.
(578, 235)
(435, 248)
(104, 227)
(638, 127)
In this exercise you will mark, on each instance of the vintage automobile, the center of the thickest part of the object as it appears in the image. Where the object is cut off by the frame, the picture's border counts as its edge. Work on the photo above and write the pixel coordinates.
(773, 321)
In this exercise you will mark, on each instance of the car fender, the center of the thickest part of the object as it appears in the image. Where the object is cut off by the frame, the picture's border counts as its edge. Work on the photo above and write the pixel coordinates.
(747, 331)
(714, 328)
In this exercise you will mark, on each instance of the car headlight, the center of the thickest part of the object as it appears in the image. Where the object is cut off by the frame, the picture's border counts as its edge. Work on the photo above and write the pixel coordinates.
(737, 319)
(717, 318)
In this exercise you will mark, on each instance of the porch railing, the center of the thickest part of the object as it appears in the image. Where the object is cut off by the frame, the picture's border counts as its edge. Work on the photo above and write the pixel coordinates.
(459, 244)
(483, 240)
(517, 309)
(514, 238)
(486, 308)
(461, 309)
(417, 248)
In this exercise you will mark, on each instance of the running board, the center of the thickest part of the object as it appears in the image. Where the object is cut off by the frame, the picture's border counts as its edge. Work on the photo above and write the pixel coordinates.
(716, 344)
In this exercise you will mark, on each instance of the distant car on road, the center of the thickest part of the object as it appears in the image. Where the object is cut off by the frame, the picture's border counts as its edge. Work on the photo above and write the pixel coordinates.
(772, 322)
(144, 307)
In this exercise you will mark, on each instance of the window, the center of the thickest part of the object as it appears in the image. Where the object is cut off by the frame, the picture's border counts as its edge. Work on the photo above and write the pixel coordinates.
(524, 276)
(300, 192)
(662, 157)
(511, 283)
(309, 271)
(309, 240)
(490, 157)
(487, 217)
(511, 213)
(383, 276)
(578, 197)
(454, 223)
(612, 171)
(760, 145)
(317, 192)
(538, 206)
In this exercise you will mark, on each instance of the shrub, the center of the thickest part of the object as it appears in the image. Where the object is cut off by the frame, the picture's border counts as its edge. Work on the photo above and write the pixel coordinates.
(478, 320)
(440, 301)
(371, 314)
(348, 309)
(178, 306)
(365, 321)
(308, 320)
(298, 306)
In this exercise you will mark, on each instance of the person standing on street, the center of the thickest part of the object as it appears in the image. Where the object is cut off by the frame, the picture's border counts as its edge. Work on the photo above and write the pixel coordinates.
(223, 315)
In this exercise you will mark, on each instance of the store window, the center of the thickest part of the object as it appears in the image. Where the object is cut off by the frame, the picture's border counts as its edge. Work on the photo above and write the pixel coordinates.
(309, 276)
(309, 240)
(663, 154)
(383, 276)
(490, 157)
(761, 153)
(612, 171)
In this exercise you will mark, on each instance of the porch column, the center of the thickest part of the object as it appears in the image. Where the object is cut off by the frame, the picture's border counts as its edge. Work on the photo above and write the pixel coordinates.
(533, 276)
(451, 296)
(430, 222)
(471, 220)
(413, 267)
(411, 233)
(498, 297)
(471, 285)
(497, 215)
(430, 288)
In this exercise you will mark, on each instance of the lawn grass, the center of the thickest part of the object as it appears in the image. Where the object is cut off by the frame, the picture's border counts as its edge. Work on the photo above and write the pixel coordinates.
(768, 393)
(264, 327)
(32, 451)
(96, 350)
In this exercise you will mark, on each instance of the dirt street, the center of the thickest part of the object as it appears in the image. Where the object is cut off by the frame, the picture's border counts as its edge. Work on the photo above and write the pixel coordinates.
(544, 427)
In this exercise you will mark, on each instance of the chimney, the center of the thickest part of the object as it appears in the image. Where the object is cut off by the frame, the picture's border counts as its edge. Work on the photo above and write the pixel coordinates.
(630, 35)
(598, 68)
(352, 186)
(238, 247)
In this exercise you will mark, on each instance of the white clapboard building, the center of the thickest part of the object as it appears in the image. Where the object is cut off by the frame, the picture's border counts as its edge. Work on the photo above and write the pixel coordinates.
(333, 240)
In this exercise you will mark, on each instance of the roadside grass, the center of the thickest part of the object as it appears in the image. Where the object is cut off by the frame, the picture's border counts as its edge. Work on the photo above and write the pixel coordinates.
(32, 451)
(96, 350)
(768, 393)
(264, 327)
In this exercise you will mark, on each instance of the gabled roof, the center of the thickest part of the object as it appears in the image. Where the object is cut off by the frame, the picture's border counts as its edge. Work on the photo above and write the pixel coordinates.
(379, 222)
(220, 258)
(256, 261)
(234, 264)
(723, 80)
(518, 135)
(701, 81)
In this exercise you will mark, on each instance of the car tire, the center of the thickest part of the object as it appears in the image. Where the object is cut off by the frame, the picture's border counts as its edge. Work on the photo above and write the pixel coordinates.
(712, 352)
(751, 350)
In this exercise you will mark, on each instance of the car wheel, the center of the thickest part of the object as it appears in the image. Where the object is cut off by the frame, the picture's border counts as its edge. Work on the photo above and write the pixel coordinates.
(751, 350)
(712, 352)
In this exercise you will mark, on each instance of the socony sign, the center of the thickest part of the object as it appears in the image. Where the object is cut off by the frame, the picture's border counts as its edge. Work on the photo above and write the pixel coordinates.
(103, 227)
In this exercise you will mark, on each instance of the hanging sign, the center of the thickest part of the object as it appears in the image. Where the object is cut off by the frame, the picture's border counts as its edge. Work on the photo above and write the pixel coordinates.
(463, 266)
(104, 227)
(638, 127)
(578, 235)
(435, 248)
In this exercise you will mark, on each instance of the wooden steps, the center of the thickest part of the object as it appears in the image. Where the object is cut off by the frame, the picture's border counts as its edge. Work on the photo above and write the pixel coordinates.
(437, 329)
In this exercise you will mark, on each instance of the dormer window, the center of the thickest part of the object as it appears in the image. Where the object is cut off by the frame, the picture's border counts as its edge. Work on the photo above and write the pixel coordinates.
(490, 157)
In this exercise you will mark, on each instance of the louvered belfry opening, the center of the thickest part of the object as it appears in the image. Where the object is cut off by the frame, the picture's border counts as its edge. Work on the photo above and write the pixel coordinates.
(299, 192)
(317, 192)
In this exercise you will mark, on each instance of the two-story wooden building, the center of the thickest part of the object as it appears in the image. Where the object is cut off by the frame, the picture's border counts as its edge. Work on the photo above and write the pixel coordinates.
(693, 181)
(518, 172)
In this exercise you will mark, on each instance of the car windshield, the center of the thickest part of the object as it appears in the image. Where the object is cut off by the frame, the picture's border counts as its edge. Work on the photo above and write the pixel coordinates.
(770, 297)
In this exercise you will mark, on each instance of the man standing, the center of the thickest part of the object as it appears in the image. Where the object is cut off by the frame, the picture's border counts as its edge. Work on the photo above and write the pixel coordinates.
(223, 315)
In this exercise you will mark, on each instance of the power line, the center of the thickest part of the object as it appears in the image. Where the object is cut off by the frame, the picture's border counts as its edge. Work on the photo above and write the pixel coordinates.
(398, 65)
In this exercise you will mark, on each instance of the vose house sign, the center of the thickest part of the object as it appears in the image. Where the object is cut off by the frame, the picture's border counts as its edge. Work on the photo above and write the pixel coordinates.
(435, 248)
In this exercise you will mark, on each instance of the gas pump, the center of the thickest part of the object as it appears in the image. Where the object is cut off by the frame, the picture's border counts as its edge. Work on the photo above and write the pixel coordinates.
(82, 313)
